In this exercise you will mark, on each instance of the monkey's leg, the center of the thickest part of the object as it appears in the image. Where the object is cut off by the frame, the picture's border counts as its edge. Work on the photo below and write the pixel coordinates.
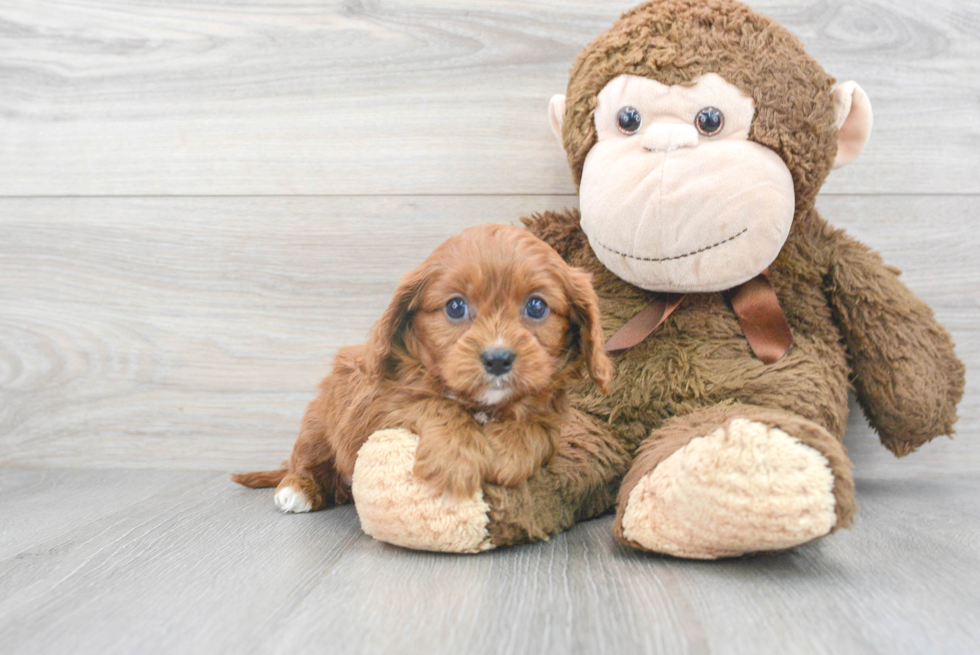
(734, 479)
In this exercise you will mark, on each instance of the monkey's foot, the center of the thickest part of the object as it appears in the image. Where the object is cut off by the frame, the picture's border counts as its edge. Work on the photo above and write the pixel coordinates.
(396, 507)
(747, 486)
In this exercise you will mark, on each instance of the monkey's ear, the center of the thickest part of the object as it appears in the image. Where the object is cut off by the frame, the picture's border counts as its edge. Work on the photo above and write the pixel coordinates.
(556, 116)
(854, 120)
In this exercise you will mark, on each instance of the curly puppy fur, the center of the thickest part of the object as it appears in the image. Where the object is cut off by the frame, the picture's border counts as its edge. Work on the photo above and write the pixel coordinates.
(422, 370)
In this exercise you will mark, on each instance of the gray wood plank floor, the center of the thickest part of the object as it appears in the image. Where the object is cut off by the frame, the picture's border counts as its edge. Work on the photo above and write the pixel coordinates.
(186, 562)
(201, 200)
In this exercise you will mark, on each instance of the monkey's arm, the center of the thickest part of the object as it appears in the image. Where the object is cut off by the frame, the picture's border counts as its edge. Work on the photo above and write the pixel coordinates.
(907, 377)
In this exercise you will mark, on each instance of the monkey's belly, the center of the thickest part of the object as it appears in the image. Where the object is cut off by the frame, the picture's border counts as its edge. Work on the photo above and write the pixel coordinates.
(701, 358)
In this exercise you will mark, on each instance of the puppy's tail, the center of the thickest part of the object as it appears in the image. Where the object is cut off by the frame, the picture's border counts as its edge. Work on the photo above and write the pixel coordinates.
(260, 479)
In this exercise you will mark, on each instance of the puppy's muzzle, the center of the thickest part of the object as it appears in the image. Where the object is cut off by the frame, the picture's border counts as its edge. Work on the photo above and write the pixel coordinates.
(497, 361)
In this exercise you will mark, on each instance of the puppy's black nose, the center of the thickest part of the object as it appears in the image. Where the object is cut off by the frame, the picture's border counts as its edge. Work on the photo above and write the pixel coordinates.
(497, 361)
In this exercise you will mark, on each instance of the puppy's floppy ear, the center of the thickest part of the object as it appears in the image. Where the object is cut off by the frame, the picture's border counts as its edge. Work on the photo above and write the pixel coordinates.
(387, 332)
(584, 312)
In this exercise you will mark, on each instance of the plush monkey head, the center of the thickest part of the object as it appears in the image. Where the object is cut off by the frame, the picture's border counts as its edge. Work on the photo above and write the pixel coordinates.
(698, 131)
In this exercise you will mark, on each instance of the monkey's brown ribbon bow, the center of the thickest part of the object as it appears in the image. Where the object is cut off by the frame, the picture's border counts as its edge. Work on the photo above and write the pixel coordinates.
(645, 322)
(754, 302)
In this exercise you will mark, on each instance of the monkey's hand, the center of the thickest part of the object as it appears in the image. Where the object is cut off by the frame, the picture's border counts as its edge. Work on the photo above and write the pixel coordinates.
(907, 377)
(398, 508)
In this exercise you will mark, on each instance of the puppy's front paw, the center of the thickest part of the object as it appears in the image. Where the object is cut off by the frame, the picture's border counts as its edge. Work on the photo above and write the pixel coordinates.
(510, 470)
(293, 500)
(456, 472)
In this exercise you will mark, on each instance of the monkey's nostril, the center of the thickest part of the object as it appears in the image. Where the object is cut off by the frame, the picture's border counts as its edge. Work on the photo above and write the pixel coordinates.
(497, 361)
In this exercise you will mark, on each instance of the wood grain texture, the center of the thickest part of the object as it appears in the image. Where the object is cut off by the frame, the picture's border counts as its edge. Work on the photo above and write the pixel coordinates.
(122, 97)
(39, 505)
(155, 330)
(190, 332)
(204, 566)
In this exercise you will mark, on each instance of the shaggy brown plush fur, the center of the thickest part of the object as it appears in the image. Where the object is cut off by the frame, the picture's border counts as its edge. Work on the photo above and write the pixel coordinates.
(852, 319)
(424, 371)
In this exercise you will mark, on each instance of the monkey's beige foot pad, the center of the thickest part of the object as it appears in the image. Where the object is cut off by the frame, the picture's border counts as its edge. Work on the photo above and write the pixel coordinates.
(746, 487)
(396, 507)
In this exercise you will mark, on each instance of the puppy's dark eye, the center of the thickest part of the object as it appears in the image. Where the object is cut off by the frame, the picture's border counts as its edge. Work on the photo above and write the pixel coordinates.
(535, 308)
(456, 309)
(709, 121)
(629, 120)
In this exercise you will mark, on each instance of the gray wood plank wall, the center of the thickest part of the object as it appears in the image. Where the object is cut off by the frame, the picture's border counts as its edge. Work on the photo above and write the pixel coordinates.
(190, 332)
(407, 96)
(200, 201)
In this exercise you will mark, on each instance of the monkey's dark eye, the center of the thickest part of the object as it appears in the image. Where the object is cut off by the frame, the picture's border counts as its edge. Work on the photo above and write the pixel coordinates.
(457, 308)
(629, 120)
(709, 121)
(535, 308)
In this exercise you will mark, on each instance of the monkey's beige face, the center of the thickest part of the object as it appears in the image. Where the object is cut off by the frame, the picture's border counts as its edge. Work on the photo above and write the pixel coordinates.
(674, 196)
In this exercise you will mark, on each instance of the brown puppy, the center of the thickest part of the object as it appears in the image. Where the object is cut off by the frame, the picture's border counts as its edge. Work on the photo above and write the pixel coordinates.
(474, 354)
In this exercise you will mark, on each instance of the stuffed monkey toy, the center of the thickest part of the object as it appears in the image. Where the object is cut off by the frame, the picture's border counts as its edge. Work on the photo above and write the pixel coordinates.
(699, 133)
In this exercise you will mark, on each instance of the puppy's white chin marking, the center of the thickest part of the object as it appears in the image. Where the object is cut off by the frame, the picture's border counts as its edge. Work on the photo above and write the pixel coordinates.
(494, 396)
(292, 500)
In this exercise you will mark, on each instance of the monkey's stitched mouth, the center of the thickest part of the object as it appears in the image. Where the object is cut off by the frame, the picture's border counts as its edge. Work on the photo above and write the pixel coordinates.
(667, 259)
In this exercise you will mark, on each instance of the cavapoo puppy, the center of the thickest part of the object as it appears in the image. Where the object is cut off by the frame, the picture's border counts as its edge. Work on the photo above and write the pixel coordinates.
(475, 354)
